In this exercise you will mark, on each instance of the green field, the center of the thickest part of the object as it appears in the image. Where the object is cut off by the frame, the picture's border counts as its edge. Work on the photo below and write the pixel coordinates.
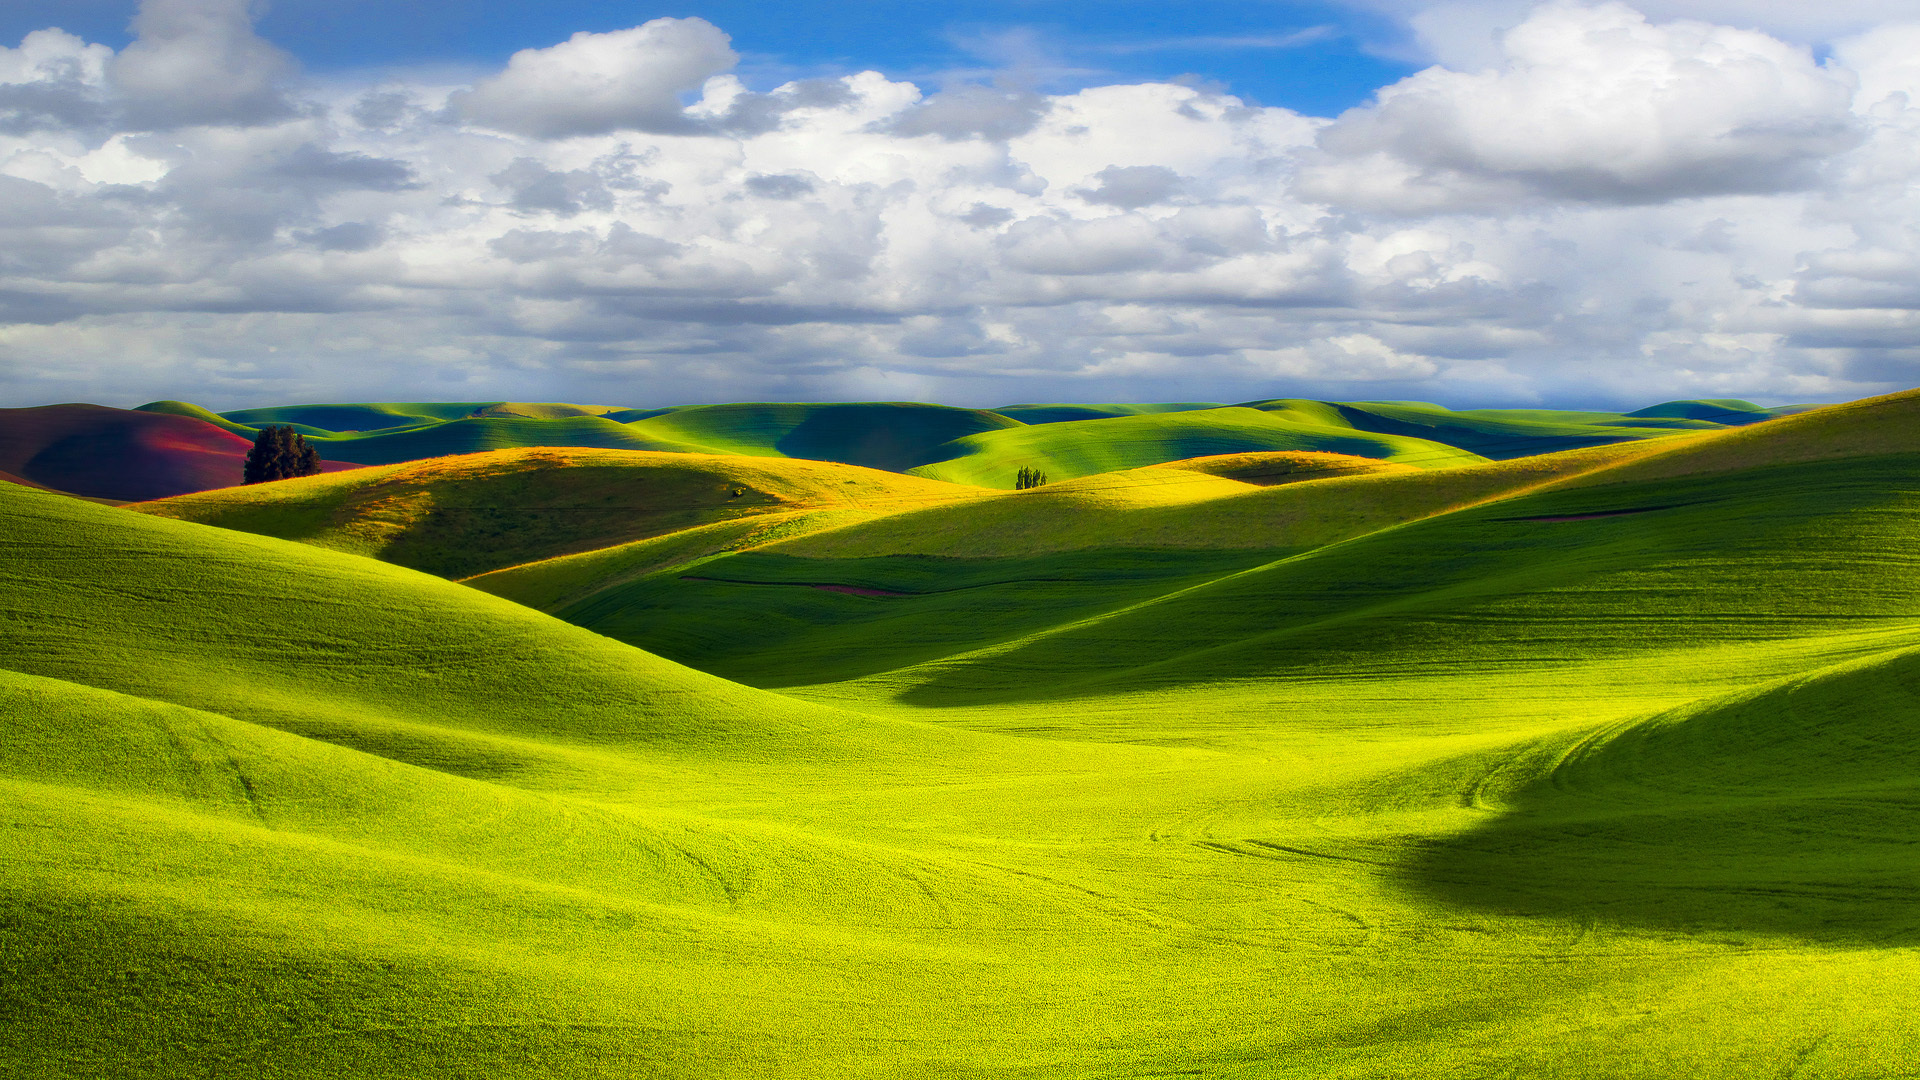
(1532, 745)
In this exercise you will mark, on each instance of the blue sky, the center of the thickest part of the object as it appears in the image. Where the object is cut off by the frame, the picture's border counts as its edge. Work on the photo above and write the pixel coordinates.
(1477, 202)
(1316, 58)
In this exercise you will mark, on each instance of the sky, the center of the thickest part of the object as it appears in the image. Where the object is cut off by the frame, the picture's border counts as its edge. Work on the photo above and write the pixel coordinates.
(1474, 202)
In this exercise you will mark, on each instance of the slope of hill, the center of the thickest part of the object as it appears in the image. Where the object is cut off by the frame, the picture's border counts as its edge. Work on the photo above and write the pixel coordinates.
(392, 414)
(882, 435)
(1779, 790)
(465, 515)
(118, 454)
(473, 435)
(1758, 535)
(1054, 414)
(1500, 434)
(1726, 412)
(1069, 449)
(853, 596)
(195, 412)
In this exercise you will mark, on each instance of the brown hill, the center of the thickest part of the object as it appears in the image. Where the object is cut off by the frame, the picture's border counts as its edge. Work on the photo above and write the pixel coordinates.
(120, 454)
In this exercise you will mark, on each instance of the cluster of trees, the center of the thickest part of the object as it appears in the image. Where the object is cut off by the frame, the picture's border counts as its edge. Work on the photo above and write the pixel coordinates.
(1028, 477)
(279, 453)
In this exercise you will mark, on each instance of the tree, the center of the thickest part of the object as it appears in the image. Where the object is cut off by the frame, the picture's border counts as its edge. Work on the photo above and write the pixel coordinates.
(1028, 477)
(278, 453)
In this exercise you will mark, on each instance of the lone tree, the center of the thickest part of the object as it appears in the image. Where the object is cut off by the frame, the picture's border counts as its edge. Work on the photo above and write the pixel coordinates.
(1028, 477)
(278, 453)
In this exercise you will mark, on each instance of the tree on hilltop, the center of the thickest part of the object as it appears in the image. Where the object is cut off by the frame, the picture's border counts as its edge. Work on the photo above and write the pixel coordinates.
(1028, 477)
(279, 453)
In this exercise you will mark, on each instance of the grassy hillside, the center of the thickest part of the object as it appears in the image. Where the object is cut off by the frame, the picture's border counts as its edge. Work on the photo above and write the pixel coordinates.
(1054, 414)
(1502, 434)
(466, 515)
(476, 435)
(1596, 764)
(394, 414)
(195, 412)
(1070, 449)
(959, 575)
(880, 435)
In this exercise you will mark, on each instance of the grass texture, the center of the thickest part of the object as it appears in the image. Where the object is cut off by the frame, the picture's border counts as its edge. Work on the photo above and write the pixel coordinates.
(464, 515)
(1598, 763)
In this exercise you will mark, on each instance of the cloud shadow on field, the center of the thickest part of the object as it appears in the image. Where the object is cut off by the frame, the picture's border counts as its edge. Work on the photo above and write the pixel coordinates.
(1791, 812)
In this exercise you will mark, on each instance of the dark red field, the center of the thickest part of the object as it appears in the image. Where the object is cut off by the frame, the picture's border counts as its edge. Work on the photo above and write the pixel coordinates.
(120, 454)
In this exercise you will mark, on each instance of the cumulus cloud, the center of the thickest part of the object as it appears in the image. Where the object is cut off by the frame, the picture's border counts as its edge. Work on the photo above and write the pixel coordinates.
(1610, 206)
(1131, 187)
(1348, 357)
(969, 111)
(199, 62)
(592, 84)
(1593, 104)
(779, 187)
(53, 81)
(1464, 34)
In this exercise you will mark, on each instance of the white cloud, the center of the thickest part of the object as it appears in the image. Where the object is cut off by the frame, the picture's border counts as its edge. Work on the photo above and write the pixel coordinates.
(1592, 104)
(592, 84)
(53, 81)
(970, 112)
(1617, 210)
(199, 62)
(1464, 34)
(1347, 358)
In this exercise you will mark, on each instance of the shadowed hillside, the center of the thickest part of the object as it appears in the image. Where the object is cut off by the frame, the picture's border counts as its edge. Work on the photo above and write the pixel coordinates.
(1784, 792)
(880, 435)
(120, 455)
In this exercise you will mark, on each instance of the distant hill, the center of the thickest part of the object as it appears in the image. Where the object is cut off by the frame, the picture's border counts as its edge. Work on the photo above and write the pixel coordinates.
(1068, 449)
(119, 454)
(890, 435)
(167, 448)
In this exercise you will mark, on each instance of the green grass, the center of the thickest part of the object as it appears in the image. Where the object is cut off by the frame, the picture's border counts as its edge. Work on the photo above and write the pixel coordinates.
(880, 435)
(187, 409)
(759, 617)
(470, 514)
(1502, 434)
(1456, 772)
(1071, 449)
(1054, 414)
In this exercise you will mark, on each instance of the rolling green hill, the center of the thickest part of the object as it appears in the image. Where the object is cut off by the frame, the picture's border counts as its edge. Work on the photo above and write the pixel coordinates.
(1596, 764)
(1504, 433)
(1054, 414)
(1071, 449)
(879, 435)
(465, 515)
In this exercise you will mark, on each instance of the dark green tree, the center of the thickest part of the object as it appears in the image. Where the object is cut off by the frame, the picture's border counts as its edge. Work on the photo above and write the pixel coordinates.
(279, 453)
(1028, 477)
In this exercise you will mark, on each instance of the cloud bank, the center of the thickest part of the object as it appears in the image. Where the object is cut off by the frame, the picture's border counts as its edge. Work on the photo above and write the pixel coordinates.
(1599, 204)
